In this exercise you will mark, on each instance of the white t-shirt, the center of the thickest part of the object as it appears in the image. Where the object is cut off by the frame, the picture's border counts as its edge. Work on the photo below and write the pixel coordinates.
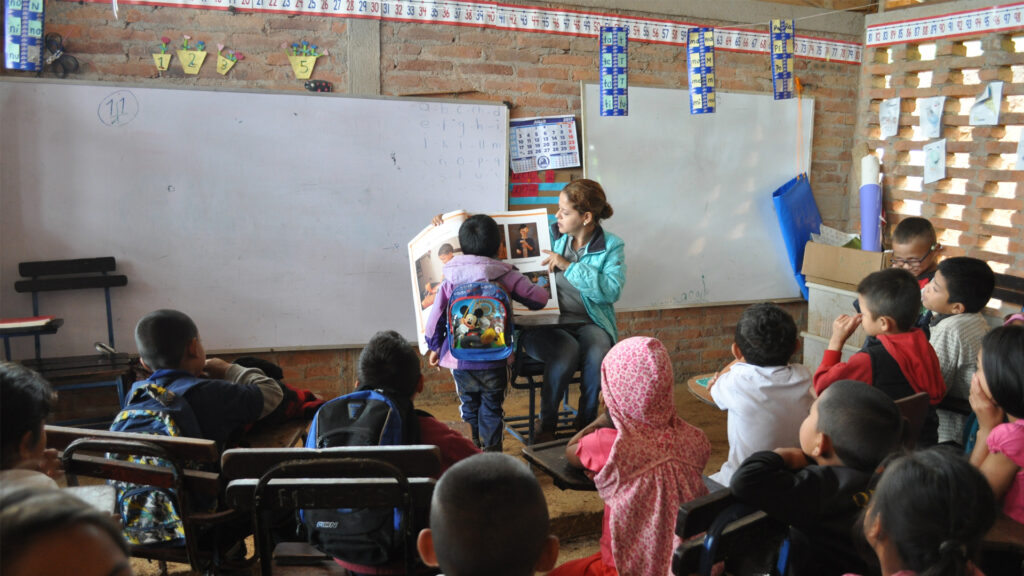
(766, 406)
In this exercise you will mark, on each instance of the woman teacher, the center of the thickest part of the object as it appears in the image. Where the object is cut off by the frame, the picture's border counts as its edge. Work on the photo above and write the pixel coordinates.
(589, 269)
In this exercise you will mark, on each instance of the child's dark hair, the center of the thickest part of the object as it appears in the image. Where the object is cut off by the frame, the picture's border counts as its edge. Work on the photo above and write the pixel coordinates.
(25, 402)
(388, 362)
(445, 249)
(1002, 360)
(766, 335)
(588, 196)
(479, 236)
(969, 281)
(909, 229)
(524, 226)
(863, 423)
(163, 337)
(893, 292)
(488, 516)
(935, 508)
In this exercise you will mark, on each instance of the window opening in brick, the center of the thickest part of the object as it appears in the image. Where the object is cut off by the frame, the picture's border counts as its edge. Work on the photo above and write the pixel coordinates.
(888, 55)
(912, 184)
(965, 105)
(995, 244)
(1018, 43)
(924, 79)
(1005, 190)
(970, 76)
(916, 158)
(927, 51)
(949, 211)
(973, 48)
(997, 217)
(888, 80)
(961, 160)
(910, 207)
(957, 186)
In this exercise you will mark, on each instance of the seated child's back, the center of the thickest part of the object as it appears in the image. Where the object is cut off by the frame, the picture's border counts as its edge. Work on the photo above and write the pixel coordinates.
(766, 396)
(956, 296)
(820, 488)
(896, 357)
(488, 516)
(646, 460)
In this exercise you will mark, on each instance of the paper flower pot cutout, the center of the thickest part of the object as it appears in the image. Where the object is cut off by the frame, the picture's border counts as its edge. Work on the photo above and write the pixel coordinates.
(191, 60)
(162, 61)
(224, 64)
(302, 65)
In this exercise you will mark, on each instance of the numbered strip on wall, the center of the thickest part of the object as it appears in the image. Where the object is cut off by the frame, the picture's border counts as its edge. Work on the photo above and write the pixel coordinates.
(23, 35)
(782, 58)
(700, 49)
(614, 75)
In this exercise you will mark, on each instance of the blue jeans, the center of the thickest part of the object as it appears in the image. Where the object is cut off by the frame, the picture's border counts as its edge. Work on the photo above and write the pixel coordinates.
(563, 352)
(482, 393)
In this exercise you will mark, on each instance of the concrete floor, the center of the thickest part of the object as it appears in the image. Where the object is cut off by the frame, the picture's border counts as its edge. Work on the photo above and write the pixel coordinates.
(575, 515)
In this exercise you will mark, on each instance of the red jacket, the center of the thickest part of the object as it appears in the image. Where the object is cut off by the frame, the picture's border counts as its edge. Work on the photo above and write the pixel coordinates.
(911, 351)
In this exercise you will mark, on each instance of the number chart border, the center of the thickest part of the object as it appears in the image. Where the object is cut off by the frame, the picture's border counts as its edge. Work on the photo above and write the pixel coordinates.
(527, 19)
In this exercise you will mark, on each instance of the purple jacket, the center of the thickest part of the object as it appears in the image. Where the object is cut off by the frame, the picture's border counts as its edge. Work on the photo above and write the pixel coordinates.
(461, 270)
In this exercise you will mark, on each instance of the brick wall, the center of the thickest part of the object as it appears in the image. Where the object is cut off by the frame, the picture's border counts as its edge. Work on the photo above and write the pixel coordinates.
(536, 73)
(978, 209)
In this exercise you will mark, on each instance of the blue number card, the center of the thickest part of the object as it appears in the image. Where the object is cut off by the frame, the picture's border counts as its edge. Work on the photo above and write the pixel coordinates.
(614, 63)
(700, 52)
(23, 34)
(782, 58)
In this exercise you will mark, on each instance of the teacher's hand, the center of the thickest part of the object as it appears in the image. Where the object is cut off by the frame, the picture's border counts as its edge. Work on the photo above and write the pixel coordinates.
(554, 261)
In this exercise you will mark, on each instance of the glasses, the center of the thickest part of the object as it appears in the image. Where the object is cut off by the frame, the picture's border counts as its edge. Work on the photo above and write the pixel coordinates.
(913, 262)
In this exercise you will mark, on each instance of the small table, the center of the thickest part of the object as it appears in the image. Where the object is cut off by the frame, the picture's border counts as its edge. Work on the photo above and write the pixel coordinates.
(7, 333)
(550, 457)
(698, 386)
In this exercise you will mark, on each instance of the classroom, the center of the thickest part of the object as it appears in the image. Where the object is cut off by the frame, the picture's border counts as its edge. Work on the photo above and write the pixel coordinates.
(253, 194)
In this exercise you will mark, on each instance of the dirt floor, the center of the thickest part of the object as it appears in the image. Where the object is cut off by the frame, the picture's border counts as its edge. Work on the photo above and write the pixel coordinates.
(575, 515)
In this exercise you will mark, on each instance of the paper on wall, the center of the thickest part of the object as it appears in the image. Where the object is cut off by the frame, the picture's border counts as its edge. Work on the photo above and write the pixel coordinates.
(525, 235)
(930, 110)
(935, 161)
(985, 111)
(889, 117)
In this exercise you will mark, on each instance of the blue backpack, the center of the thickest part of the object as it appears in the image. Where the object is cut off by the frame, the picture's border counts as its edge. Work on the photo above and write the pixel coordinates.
(371, 536)
(480, 322)
(148, 514)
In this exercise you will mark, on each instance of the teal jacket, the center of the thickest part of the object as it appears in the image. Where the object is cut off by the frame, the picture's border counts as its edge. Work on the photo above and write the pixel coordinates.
(600, 275)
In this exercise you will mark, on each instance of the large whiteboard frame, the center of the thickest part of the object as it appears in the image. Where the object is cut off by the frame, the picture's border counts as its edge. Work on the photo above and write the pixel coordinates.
(693, 194)
(276, 220)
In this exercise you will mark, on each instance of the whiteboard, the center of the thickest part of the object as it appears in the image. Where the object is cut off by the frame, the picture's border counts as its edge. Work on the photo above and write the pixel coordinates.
(275, 220)
(693, 194)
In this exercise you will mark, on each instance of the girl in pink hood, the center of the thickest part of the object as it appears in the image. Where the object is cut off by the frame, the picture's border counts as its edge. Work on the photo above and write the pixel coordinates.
(644, 459)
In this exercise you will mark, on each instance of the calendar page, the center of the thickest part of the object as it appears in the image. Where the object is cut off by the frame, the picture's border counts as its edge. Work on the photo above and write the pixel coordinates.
(543, 143)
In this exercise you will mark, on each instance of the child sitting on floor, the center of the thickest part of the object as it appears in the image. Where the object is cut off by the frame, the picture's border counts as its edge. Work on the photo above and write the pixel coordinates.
(645, 461)
(766, 396)
(956, 296)
(928, 514)
(820, 488)
(488, 516)
(896, 357)
(997, 390)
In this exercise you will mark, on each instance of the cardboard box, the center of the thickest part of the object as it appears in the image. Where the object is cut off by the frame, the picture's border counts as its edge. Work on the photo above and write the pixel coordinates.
(824, 304)
(840, 267)
(814, 350)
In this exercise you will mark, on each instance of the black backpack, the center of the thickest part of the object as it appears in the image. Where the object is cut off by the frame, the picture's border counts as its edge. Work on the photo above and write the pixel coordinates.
(370, 536)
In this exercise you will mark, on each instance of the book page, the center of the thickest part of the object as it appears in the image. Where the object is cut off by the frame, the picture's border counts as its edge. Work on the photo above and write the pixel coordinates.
(524, 236)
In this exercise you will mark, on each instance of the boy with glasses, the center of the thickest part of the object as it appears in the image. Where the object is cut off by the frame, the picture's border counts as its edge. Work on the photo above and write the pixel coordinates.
(915, 248)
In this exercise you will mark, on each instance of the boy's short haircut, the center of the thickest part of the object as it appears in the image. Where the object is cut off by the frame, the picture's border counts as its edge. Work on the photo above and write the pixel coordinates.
(479, 235)
(389, 362)
(488, 516)
(910, 229)
(969, 281)
(766, 335)
(30, 514)
(863, 422)
(163, 337)
(445, 249)
(524, 226)
(893, 292)
(25, 401)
